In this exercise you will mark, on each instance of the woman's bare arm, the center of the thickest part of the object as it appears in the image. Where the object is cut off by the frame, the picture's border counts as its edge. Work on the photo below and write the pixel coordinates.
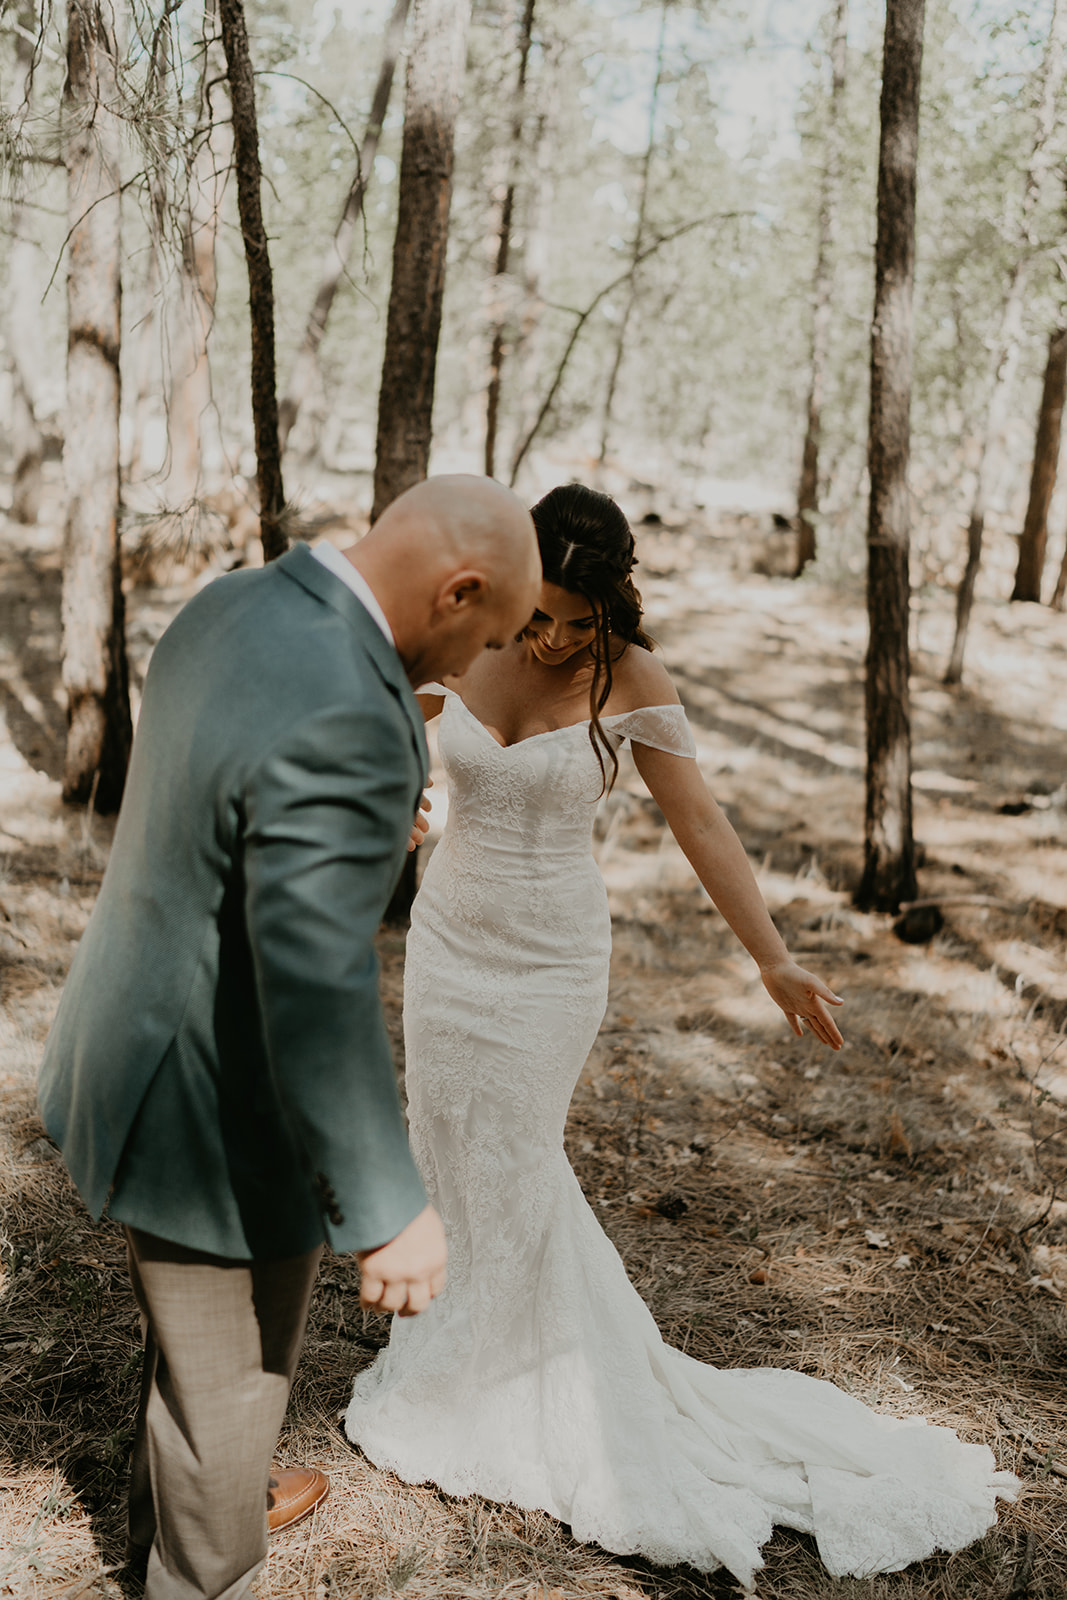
(718, 858)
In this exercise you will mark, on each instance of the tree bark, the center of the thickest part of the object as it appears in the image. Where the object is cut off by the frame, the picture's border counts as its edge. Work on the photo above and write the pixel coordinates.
(1031, 564)
(822, 296)
(23, 311)
(1061, 586)
(335, 261)
(537, 250)
(1007, 347)
(193, 314)
(436, 60)
(260, 281)
(637, 246)
(889, 847)
(99, 729)
(503, 243)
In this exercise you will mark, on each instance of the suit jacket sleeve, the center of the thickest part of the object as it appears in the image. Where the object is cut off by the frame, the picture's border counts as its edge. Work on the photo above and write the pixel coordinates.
(327, 817)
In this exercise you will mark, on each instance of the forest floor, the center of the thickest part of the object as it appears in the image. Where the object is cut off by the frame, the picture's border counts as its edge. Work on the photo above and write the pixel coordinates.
(893, 1217)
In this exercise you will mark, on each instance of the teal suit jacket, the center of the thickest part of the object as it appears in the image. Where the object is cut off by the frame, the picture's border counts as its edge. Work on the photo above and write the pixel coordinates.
(219, 1063)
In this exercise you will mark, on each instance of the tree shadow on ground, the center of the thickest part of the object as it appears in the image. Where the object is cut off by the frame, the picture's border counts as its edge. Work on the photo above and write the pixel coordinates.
(30, 681)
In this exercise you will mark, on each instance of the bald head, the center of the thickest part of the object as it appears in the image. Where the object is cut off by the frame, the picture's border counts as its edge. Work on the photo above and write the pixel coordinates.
(454, 565)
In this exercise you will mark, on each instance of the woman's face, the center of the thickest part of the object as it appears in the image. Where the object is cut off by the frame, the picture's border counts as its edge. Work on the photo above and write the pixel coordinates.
(562, 626)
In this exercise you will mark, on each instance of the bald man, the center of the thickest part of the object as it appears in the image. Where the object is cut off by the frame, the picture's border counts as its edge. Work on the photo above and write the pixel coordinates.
(218, 1074)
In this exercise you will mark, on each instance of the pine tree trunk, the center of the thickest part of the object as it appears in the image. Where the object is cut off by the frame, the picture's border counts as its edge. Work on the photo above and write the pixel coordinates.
(1060, 590)
(23, 311)
(499, 320)
(638, 243)
(1031, 564)
(146, 375)
(335, 261)
(889, 848)
(99, 728)
(1052, 73)
(822, 297)
(535, 257)
(260, 281)
(436, 60)
(192, 316)
(996, 416)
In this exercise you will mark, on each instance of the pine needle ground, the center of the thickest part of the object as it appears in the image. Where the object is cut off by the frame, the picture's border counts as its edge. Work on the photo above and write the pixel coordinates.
(890, 1218)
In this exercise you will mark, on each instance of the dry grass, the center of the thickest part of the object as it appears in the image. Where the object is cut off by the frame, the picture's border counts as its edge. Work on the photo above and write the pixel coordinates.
(894, 1219)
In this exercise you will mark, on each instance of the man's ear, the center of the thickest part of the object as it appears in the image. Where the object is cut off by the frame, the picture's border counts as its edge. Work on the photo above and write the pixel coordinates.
(460, 591)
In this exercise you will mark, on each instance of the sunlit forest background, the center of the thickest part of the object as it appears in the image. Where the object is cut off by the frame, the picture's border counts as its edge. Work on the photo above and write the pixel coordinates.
(638, 123)
(650, 230)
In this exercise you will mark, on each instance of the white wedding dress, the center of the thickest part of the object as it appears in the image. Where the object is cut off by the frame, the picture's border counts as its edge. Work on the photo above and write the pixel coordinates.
(539, 1376)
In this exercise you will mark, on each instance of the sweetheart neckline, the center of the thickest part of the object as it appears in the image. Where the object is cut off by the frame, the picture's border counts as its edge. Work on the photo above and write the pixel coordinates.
(566, 727)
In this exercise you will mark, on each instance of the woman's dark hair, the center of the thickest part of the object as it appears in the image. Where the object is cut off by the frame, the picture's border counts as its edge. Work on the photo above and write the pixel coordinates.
(587, 548)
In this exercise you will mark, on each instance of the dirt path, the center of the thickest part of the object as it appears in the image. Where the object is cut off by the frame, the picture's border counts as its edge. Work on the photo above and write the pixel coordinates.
(889, 1218)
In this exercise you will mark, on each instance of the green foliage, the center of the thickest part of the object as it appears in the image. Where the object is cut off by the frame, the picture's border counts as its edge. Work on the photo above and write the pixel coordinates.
(716, 362)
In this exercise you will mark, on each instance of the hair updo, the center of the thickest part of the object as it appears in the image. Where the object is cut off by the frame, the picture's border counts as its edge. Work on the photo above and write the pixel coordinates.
(587, 548)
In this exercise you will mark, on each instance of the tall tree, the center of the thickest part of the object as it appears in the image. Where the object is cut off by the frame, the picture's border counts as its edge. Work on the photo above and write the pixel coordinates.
(23, 307)
(1060, 591)
(1007, 345)
(260, 280)
(889, 847)
(637, 245)
(436, 60)
(1031, 564)
(99, 728)
(335, 261)
(505, 223)
(822, 293)
(207, 161)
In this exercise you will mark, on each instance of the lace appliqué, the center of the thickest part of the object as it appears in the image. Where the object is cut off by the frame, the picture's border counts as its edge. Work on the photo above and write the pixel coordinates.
(539, 1375)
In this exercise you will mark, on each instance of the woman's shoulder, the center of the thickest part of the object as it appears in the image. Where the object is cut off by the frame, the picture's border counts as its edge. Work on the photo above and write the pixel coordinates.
(638, 680)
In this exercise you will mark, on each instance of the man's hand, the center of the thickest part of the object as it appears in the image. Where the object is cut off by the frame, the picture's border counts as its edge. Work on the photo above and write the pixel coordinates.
(804, 998)
(405, 1274)
(421, 826)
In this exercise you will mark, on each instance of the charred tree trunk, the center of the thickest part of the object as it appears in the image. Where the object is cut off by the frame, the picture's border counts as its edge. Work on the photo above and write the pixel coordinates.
(1031, 565)
(637, 247)
(260, 282)
(889, 848)
(503, 243)
(1052, 70)
(822, 297)
(99, 729)
(405, 404)
(23, 313)
(335, 262)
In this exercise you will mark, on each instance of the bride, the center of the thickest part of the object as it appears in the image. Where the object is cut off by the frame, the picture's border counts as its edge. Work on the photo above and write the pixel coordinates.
(539, 1376)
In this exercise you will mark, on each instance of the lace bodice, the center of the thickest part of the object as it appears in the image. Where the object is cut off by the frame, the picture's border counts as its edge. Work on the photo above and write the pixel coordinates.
(536, 799)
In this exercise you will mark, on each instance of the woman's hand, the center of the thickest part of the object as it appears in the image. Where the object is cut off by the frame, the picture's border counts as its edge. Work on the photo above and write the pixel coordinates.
(804, 998)
(421, 826)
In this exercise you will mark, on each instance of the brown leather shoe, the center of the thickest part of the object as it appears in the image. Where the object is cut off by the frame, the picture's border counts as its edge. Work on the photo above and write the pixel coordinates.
(292, 1493)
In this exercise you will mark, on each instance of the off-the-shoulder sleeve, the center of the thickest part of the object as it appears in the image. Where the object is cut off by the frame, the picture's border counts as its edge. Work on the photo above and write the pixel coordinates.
(662, 727)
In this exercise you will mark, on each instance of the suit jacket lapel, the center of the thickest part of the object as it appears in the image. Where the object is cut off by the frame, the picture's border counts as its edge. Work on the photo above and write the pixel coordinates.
(300, 565)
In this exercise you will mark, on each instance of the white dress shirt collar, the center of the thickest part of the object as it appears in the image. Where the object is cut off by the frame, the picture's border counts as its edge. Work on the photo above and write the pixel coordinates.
(342, 568)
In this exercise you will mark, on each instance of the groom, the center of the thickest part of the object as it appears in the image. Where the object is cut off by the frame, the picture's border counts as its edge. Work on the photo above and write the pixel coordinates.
(219, 1073)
